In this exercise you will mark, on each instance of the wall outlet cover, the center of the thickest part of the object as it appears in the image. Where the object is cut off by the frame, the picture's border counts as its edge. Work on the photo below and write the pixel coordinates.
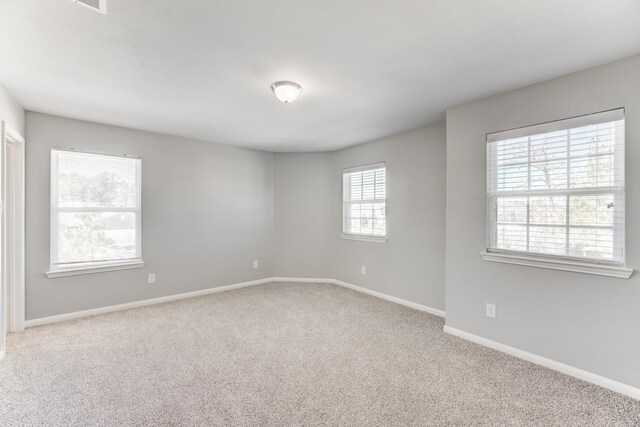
(152, 278)
(491, 310)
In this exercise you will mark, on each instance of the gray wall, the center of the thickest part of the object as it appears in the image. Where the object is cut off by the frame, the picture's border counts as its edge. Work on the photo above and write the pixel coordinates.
(304, 198)
(308, 208)
(207, 213)
(411, 264)
(11, 112)
(585, 321)
(209, 210)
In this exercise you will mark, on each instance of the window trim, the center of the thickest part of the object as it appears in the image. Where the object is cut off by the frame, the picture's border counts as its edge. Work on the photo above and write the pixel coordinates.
(372, 238)
(69, 269)
(559, 262)
(364, 238)
(521, 258)
(98, 267)
(599, 117)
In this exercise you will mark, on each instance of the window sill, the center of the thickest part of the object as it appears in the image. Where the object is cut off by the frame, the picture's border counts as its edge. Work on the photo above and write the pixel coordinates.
(96, 268)
(373, 239)
(557, 264)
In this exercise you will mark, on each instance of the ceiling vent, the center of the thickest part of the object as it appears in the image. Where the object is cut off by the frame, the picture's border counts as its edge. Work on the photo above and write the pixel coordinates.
(95, 5)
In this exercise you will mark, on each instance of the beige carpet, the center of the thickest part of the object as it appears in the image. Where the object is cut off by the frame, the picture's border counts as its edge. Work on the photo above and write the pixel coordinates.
(283, 354)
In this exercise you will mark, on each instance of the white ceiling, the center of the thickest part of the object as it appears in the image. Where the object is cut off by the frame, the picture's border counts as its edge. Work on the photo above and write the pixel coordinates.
(369, 68)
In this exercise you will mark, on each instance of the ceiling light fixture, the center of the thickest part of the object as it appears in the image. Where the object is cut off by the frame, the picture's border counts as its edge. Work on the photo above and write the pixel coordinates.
(96, 5)
(286, 91)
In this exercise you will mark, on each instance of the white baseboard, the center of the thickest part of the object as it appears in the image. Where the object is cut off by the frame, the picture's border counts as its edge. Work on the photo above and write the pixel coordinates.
(548, 363)
(168, 298)
(414, 305)
(301, 280)
(427, 309)
(142, 303)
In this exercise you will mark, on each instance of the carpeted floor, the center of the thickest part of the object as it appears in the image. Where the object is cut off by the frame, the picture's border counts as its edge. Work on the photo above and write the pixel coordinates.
(283, 354)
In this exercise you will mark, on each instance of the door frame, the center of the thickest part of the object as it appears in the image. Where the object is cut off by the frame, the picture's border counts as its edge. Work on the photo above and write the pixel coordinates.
(13, 227)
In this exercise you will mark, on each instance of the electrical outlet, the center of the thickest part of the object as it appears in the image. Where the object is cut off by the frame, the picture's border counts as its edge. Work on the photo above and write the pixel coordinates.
(364, 270)
(152, 278)
(491, 310)
(256, 264)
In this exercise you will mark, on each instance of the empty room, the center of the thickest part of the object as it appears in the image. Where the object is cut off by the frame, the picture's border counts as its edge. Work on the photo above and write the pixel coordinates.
(337, 213)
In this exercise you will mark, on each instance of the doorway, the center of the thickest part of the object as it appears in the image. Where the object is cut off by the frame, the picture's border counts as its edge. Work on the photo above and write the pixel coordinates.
(12, 233)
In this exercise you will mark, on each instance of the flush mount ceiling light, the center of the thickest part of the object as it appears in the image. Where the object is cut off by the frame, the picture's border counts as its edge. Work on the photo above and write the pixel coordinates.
(286, 91)
(96, 5)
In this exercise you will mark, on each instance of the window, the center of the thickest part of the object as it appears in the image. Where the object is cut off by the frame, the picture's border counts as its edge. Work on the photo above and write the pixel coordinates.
(95, 211)
(364, 202)
(557, 189)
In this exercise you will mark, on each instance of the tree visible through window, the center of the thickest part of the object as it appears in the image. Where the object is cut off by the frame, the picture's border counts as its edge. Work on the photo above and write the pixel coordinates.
(558, 189)
(95, 212)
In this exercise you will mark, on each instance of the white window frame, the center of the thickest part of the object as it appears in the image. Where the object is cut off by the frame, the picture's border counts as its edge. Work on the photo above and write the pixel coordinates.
(360, 236)
(559, 262)
(71, 269)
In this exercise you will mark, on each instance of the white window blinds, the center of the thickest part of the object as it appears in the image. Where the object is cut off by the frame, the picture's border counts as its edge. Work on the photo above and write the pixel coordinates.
(364, 200)
(557, 189)
(95, 209)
